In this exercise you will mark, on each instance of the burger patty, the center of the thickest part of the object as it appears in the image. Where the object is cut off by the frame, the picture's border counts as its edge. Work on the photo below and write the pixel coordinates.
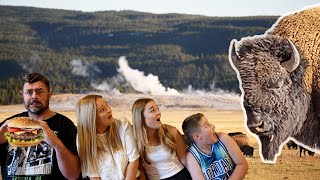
(27, 135)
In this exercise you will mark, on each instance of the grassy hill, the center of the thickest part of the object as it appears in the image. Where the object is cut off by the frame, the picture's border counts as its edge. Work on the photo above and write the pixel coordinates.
(181, 50)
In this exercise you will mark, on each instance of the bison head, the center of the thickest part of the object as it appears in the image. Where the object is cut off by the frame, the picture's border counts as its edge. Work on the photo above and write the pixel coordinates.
(270, 71)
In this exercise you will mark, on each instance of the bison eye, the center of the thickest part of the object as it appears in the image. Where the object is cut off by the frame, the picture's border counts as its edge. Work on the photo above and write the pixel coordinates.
(288, 81)
(279, 83)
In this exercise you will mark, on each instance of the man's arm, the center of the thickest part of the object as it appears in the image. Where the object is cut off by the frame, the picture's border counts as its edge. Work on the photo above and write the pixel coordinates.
(69, 164)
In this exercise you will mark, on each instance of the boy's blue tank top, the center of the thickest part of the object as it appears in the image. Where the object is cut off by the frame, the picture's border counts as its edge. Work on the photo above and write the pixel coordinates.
(217, 166)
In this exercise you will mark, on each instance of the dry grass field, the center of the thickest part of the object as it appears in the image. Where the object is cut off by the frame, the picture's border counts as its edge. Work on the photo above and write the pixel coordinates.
(288, 166)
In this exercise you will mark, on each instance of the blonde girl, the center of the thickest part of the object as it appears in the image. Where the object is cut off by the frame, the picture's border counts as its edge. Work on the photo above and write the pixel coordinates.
(161, 147)
(105, 145)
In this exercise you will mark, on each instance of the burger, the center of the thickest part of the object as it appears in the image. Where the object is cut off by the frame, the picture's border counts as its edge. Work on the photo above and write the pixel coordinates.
(24, 131)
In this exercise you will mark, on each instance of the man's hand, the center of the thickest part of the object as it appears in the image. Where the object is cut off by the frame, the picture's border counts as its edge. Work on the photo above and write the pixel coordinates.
(3, 129)
(49, 135)
(69, 164)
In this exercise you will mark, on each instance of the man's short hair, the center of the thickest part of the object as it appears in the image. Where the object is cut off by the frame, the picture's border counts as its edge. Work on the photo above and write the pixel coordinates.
(35, 77)
(191, 125)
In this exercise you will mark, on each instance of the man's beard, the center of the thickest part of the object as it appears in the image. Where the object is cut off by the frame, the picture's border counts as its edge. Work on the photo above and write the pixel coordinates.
(40, 108)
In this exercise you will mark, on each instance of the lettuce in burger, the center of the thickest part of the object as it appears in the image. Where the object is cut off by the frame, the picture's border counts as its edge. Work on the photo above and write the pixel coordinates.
(24, 131)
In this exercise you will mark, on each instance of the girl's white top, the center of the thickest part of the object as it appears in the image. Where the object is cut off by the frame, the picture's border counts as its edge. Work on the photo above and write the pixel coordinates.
(113, 166)
(163, 163)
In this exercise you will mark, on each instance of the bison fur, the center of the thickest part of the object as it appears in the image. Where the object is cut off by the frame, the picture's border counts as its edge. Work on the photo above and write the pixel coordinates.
(291, 144)
(240, 138)
(279, 76)
(247, 150)
(304, 150)
(242, 141)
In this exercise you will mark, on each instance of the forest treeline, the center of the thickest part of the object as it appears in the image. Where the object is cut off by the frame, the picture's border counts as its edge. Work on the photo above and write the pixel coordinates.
(77, 49)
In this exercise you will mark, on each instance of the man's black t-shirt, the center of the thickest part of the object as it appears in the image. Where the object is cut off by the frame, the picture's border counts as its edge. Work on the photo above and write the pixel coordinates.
(66, 132)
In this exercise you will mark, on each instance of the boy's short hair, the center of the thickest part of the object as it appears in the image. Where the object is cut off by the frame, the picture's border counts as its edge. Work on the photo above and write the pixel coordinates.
(191, 125)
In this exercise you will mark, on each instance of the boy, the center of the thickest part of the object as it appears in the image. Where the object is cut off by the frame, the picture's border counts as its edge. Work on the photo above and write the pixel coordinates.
(212, 155)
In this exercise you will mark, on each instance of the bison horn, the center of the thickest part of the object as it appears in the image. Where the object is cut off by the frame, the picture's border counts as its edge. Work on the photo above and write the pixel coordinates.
(233, 55)
(294, 61)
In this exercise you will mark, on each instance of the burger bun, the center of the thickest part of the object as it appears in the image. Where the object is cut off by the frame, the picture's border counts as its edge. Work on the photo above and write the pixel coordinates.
(24, 144)
(23, 122)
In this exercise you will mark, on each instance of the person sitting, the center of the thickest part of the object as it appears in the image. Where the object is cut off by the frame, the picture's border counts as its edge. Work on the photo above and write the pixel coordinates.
(65, 162)
(106, 146)
(161, 146)
(212, 155)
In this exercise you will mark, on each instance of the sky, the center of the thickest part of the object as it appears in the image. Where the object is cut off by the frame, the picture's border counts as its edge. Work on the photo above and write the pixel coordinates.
(195, 7)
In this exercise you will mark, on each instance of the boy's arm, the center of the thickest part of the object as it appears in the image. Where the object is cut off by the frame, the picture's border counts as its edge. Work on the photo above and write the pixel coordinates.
(194, 167)
(236, 155)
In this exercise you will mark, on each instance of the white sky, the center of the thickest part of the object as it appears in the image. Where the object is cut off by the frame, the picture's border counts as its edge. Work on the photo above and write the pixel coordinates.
(196, 7)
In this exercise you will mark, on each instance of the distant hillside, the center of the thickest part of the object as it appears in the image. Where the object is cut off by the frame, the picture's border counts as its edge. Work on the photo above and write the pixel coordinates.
(76, 49)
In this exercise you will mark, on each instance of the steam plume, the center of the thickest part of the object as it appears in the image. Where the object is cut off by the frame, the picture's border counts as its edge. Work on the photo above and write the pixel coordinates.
(142, 83)
(82, 68)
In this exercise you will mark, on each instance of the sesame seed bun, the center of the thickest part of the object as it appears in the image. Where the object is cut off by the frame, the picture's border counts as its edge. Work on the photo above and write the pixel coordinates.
(23, 122)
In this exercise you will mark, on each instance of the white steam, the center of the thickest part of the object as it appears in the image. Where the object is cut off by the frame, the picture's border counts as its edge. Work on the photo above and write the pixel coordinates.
(110, 86)
(128, 79)
(214, 92)
(142, 83)
(35, 60)
(104, 86)
(82, 68)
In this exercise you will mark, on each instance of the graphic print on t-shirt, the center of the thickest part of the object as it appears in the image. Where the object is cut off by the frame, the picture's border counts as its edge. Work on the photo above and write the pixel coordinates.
(33, 160)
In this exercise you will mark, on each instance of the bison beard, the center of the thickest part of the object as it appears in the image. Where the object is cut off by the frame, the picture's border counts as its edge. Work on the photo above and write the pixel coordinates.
(279, 76)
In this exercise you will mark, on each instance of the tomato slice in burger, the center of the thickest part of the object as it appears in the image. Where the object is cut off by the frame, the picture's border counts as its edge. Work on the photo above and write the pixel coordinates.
(10, 129)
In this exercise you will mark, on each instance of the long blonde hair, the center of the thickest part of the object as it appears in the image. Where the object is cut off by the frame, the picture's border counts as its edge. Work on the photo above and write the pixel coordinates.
(88, 145)
(140, 132)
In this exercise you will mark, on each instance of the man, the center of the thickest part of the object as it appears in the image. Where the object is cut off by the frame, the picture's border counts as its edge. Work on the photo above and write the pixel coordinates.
(62, 161)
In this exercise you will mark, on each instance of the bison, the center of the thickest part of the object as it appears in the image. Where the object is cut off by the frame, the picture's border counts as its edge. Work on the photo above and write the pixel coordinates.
(240, 138)
(247, 150)
(279, 77)
(291, 144)
(303, 150)
(242, 141)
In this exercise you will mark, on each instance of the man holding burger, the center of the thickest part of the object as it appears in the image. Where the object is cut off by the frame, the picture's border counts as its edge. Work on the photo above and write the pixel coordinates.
(55, 130)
